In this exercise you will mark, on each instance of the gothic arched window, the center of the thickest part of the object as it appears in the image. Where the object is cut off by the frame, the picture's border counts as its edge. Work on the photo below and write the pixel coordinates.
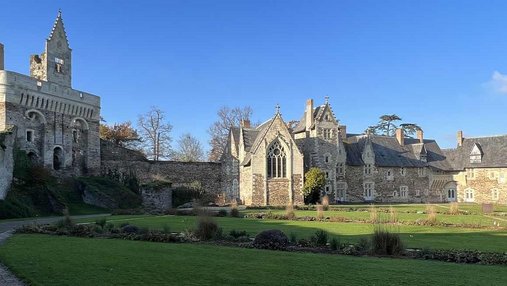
(276, 161)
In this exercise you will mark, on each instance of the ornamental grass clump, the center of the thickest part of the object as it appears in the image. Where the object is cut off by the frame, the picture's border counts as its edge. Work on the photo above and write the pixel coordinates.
(319, 238)
(234, 209)
(320, 211)
(325, 202)
(393, 215)
(374, 217)
(453, 209)
(431, 215)
(289, 211)
(385, 242)
(207, 228)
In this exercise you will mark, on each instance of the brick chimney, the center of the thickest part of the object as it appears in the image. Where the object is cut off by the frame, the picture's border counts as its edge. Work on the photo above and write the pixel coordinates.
(1, 57)
(459, 138)
(420, 135)
(400, 136)
(309, 114)
(343, 131)
(245, 123)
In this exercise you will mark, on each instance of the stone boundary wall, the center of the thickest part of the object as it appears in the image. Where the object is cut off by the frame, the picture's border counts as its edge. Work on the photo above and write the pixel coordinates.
(157, 200)
(208, 175)
(126, 161)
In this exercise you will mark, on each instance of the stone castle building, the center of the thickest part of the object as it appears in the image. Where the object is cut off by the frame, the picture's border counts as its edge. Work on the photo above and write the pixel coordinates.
(56, 125)
(265, 165)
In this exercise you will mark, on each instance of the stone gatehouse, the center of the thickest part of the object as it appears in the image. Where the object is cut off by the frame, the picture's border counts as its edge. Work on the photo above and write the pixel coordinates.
(57, 125)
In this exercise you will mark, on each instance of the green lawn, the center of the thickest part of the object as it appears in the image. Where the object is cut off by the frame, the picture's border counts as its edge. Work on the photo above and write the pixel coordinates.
(55, 260)
(413, 236)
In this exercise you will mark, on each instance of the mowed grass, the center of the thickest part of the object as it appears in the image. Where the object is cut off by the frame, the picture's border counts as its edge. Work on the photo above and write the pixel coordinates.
(407, 213)
(413, 236)
(55, 260)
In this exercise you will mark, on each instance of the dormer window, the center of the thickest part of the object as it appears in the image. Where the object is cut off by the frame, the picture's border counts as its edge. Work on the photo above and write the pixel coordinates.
(476, 154)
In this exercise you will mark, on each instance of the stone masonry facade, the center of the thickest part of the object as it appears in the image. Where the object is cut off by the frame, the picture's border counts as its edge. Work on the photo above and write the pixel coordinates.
(56, 125)
(58, 128)
(361, 167)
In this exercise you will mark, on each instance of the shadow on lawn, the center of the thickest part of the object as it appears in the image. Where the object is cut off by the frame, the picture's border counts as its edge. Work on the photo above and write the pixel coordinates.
(413, 236)
(348, 232)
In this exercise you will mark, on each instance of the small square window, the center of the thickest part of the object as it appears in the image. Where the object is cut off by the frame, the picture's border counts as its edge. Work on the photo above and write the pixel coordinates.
(29, 136)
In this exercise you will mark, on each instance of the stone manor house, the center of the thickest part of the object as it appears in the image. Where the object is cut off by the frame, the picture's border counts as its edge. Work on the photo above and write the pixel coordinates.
(265, 165)
(58, 127)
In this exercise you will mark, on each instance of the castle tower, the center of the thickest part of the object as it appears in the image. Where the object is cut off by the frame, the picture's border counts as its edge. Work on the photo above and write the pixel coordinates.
(55, 63)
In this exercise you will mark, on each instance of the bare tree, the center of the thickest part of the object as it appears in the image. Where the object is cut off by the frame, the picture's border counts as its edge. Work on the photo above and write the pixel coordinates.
(156, 134)
(189, 149)
(219, 130)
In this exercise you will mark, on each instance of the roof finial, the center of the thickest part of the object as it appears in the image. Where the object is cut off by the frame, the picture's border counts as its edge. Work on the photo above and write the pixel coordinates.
(326, 99)
(277, 109)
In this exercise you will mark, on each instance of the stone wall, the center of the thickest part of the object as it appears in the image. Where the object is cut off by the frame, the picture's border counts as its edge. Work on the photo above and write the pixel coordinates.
(278, 192)
(387, 188)
(483, 181)
(156, 200)
(124, 161)
(58, 118)
(258, 188)
(7, 141)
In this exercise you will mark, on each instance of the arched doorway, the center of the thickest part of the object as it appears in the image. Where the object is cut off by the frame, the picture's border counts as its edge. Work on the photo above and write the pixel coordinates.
(58, 158)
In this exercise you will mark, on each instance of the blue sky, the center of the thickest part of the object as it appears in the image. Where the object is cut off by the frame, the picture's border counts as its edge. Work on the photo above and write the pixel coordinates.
(441, 64)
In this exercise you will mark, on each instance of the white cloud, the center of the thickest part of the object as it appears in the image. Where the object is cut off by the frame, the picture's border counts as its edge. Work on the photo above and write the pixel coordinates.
(499, 82)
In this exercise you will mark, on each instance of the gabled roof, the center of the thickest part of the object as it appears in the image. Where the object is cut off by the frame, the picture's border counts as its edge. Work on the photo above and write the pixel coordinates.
(389, 153)
(318, 112)
(493, 148)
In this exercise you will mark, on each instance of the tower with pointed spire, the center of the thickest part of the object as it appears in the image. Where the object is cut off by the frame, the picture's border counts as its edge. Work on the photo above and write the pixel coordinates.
(56, 125)
(55, 63)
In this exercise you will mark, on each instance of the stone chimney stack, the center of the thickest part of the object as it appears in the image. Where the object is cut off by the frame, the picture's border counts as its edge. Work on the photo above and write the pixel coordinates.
(420, 135)
(1, 57)
(400, 136)
(459, 138)
(309, 114)
(343, 131)
(245, 123)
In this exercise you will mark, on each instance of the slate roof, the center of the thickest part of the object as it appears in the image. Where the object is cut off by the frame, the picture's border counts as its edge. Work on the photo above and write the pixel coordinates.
(389, 153)
(317, 112)
(494, 149)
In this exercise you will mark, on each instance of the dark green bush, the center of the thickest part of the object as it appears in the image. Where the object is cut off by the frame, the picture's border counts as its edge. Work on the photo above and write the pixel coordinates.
(222, 213)
(334, 244)
(235, 212)
(101, 222)
(238, 233)
(319, 238)
(130, 229)
(273, 239)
